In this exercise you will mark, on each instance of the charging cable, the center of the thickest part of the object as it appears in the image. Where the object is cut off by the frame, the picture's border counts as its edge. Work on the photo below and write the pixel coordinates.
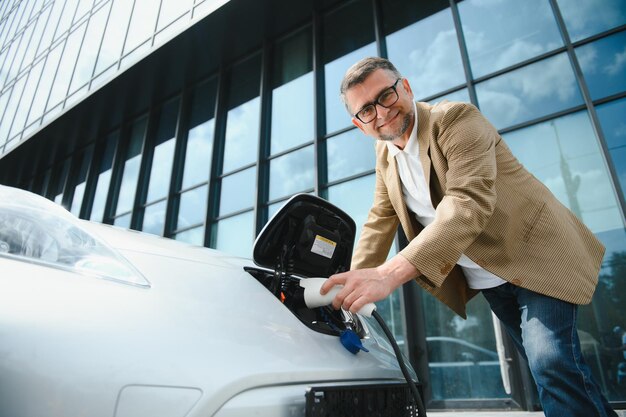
(421, 410)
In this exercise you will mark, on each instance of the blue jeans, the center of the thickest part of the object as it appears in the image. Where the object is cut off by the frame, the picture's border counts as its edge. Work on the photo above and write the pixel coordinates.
(544, 331)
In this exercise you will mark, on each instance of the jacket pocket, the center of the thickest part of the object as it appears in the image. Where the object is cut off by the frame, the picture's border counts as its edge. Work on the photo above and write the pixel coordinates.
(531, 218)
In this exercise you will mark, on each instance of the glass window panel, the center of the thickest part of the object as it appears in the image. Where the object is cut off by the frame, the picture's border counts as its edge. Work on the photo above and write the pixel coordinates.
(51, 25)
(600, 344)
(192, 209)
(22, 14)
(104, 178)
(28, 12)
(292, 97)
(9, 112)
(14, 67)
(89, 49)
(603, 63)
(205, 7)
(618, 156)
(80, 181)
(84, 6)
(461, 95)
(10, 58)
(355, 198)
(40, 25)
(154, 218)
(111, 47)
(66, 18)
(292, 173)
(76, 96)
(163, 156)
(238, 191)
(173, 29)
(533, 91)
(191, 236)
(42, 182)
(273, 208)
(432, 64)
(77, 200)
(66, 67)
(3, 55)
(348, 36)
(349, 154)
(132, 162)
(242, 121)
(38, 4)
(564, 154)
(584, 18)
(27, 98)
(51, 114)
(517, 30)
(13, 21)
(142, 23)
(4, 98)
(462, 358)
(3, 60)
(58, 186)
(613, 123)
(45, 84)
(123, 221)
(18, 11)
(200, 136)
(235, 235)
(171, 10)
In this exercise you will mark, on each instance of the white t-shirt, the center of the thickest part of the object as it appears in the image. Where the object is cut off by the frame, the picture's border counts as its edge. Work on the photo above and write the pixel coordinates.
(417, 198)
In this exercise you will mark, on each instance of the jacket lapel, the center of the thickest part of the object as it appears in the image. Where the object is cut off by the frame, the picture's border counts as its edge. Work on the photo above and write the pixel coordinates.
(394, 188)
(423, 142)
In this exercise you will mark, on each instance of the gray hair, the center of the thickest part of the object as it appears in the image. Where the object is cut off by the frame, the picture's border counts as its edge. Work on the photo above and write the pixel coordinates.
(358, 72)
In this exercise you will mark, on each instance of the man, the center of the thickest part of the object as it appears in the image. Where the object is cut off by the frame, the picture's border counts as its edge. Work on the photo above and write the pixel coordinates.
(476, 221)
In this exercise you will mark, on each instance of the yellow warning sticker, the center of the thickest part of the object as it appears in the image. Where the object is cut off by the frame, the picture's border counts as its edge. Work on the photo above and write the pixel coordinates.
(324, 247)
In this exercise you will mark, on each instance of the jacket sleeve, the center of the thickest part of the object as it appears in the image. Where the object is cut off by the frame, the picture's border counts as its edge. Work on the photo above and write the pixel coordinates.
(378, 231)
(467, 141)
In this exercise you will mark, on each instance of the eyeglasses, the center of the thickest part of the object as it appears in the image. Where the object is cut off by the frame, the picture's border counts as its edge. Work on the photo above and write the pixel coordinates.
(386, 99)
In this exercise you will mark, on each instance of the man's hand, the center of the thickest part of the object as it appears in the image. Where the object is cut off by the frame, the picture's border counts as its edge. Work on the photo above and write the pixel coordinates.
(369, 285)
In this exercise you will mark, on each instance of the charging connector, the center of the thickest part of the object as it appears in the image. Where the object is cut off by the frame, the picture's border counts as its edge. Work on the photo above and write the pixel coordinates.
(313, 298)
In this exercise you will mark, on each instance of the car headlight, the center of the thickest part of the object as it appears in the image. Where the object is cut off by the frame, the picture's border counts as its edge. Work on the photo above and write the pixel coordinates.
(34, 229)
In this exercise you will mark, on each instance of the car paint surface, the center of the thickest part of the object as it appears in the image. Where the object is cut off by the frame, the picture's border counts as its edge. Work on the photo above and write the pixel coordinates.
(204, 333)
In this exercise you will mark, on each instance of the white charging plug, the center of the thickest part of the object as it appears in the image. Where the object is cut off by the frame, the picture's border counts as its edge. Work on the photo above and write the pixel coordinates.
(313, 298)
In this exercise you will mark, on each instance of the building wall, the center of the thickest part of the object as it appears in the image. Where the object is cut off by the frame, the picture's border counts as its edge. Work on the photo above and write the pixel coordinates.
(53, 52)
(211, 163)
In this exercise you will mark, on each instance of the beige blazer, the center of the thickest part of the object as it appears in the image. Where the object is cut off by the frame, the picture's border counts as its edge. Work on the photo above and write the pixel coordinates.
(488, 207)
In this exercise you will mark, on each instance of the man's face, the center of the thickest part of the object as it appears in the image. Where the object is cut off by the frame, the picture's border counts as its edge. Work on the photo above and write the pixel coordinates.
(390, 123)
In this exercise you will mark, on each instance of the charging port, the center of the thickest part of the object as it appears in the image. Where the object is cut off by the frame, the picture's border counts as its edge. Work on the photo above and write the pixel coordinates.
(322, 319)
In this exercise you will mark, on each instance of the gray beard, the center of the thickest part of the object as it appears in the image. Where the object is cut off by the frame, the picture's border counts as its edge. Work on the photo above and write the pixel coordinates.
(406, 122)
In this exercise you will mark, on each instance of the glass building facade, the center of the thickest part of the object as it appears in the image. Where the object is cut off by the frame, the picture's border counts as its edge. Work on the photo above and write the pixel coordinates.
(197, 119)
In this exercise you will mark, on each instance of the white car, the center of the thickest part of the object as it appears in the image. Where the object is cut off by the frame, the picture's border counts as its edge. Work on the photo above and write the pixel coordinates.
(98, 321)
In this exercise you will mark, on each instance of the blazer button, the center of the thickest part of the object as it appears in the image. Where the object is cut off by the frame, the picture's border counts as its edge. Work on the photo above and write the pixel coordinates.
(516, 282)
(445, 269)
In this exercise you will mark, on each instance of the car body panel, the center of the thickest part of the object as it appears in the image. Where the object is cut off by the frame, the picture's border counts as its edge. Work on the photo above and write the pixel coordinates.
(72, 344)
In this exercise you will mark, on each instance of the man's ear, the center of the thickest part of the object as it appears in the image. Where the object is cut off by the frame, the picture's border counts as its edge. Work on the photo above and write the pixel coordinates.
(407, 87)
(358, 124)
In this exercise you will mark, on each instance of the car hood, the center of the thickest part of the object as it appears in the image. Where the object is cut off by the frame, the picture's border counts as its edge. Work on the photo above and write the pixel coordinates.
(125, 240)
